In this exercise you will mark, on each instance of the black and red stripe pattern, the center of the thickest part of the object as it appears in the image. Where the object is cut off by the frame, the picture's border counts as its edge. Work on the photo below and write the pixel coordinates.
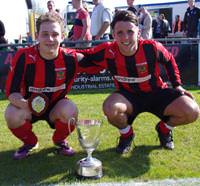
(30, 73)
(137, 73)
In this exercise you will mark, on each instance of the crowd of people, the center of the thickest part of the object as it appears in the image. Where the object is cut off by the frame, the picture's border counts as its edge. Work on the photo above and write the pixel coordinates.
(86, 28)
(97, 26)
(160, 27)
(41, 76)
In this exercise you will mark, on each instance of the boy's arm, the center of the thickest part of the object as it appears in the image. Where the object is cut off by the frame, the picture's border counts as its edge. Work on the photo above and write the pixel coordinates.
(92, 60)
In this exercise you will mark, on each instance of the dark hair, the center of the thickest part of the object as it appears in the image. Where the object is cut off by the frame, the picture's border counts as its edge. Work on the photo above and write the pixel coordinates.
(2, 28)
(3, 40)
(50, 1)
(162, 16)
(124, 15)
(49, 17)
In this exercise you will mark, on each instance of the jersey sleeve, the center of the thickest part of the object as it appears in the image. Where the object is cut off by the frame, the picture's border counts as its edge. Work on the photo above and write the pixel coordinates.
(94, 60)
(14, 80)
(167, 59)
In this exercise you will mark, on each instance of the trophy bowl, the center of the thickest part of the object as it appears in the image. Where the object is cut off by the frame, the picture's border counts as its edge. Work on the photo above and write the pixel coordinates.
(88, 135)
(38, 104)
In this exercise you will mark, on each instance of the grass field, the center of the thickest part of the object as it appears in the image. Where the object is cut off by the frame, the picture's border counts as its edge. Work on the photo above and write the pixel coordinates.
(145, 162)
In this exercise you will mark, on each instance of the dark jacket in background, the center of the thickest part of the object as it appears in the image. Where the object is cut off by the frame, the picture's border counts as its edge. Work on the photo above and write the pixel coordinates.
(2, 34)
(165, 28)
(190, 21)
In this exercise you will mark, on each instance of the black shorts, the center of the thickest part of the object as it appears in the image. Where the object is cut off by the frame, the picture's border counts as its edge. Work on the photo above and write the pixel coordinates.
(44, 116)
(154, 102)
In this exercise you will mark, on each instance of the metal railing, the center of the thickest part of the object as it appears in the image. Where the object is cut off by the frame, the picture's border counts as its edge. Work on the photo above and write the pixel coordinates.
(71, 44)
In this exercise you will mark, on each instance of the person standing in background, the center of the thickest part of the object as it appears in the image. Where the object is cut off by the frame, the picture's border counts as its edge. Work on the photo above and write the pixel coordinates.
(165, 27)
(145, 25)
(29, 39)
(156, 24)
(177, 24)
(191, 19)
(82, 25)
(51, 6)
(100, 21)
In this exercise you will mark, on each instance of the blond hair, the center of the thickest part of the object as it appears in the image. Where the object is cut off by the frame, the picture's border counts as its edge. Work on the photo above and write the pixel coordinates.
(50, 17)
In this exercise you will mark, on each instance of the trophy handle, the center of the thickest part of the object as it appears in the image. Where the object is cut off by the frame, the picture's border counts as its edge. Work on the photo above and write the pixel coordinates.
(71, 121)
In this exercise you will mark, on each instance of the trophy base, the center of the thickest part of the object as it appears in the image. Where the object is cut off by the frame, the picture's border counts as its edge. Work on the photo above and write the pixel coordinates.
(89, 169)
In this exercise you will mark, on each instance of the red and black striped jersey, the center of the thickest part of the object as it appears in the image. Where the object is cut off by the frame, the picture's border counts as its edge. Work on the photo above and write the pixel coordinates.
(30, 73)
(137, 73)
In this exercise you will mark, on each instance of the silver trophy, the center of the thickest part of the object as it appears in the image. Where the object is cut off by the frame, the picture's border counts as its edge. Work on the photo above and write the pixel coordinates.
(88, 136)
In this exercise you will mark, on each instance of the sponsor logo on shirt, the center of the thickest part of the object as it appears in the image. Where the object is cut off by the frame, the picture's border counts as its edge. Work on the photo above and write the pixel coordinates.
(46, 89)
(124, 79)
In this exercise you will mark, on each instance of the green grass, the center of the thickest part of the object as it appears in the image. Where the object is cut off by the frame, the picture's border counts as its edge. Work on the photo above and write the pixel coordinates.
(145, 162)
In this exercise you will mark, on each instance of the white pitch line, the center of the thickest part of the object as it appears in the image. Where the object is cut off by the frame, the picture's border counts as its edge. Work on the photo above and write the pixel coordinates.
(166, 182)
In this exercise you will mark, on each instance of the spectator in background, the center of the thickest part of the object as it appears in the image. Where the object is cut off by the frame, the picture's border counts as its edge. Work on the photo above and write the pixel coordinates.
(177, 24)
(131, 6)
(145, 21)
(191, 19)
(82, 25)
(29, 38)
(161, 27)
(165, 27)
(100, 21)
(156, 24)
(51, 6)
(2, 35)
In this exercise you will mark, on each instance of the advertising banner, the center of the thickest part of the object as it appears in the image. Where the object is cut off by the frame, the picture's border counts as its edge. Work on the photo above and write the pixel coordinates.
(186, 56)
(5, 61)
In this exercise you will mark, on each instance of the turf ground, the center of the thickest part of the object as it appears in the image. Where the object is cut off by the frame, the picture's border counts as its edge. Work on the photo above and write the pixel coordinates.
(146, 161)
